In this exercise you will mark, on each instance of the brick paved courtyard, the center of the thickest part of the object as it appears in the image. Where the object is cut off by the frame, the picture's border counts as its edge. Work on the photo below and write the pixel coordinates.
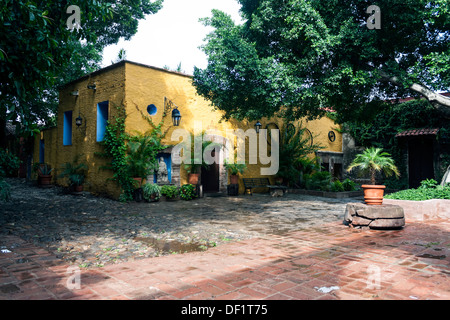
(330, 261)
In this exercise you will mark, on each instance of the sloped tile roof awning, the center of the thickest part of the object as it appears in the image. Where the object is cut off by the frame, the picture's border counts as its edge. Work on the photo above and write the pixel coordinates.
(418, 132)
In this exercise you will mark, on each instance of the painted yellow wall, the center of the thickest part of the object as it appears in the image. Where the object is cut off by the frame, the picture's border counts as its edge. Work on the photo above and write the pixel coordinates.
(110, 84)
(135, 87)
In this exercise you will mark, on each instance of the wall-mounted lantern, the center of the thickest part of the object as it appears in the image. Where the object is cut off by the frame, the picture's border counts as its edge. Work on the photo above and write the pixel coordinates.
(79, 123)
(92, 86)
(258, 126)
(176, 117)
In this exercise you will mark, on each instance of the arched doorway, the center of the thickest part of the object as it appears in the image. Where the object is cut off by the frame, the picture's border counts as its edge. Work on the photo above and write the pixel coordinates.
(210, 176)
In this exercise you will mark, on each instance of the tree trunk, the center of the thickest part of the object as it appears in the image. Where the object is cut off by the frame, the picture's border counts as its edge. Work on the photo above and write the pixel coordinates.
(440, 102)
(372, 177)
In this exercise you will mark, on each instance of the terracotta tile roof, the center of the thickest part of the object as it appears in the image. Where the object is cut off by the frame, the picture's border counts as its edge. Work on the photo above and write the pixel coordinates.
(418, 132)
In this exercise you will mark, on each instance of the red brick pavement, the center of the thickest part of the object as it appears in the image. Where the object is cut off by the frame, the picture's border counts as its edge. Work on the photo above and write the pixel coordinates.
(412, 263)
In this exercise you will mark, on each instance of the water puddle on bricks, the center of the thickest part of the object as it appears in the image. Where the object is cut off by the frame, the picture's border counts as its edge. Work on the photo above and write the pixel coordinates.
(430, 256)
(172, 246)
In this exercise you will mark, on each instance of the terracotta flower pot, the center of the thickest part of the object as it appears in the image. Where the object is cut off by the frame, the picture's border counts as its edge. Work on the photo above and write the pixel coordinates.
(78, 188)
(234, 179)
(44, 180)
(373, 194)
(193, 178)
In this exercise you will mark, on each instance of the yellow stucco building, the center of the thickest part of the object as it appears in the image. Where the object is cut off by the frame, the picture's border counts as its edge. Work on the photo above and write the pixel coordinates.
(145, 90)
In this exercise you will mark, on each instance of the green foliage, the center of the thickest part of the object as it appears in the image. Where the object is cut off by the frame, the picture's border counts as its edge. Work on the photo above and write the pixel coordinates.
(42, 169)
(75, 172)
(295, 57)
(235, 168)
(197, 161)
(348, 185)
(141, 156)
(170, 191)
(337, 186)
(114, 146)
(5, 190)
(38, 52)
(319, 180)
(9, 163)
(380, 131)
(151, 192)
(294, 149)
(131, 155)
(429, 189)
(187, 192)
(373, 160)
(428, 184)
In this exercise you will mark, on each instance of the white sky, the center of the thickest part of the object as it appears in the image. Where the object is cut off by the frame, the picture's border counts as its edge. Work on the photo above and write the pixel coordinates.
(172, 35)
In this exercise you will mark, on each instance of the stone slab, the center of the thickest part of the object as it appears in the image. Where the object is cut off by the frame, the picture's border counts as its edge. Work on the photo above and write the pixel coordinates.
(374, 216)
(387, 223)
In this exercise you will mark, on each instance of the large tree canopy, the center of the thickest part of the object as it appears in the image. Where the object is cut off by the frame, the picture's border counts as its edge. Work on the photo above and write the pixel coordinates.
(38, 51)
(297, 57)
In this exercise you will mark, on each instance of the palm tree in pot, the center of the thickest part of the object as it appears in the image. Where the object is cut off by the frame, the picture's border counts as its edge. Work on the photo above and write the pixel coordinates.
(371, 161)
(75, 173)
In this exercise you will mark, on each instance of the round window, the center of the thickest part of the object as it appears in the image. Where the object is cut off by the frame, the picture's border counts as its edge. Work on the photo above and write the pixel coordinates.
(151, 109)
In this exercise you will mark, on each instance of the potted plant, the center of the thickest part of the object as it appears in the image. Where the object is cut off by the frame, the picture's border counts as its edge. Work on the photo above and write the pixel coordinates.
(151, 192)
(170, 192)
(371, 161)
(75, 173)
(234, 169)
(43, 171)
(193, 171)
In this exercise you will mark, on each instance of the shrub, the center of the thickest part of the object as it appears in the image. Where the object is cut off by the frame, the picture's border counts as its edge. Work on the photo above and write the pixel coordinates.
(9, 163)
(169, 191)
(320, 180)
(428, 190)
(348, 185)
(5, 190)
(337, 186)
(428, 184)
(187, 192)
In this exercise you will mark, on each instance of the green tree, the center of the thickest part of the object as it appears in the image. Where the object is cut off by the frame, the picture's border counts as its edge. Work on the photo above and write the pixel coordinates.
(295, 57)
(37, 49)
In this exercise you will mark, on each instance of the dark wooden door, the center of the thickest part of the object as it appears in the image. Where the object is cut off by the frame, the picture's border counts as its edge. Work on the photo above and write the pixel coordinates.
(210, 175)
(420, 160)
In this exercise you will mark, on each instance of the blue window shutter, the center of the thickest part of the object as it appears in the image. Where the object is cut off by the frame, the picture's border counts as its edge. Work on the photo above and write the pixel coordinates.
(67, 129)
(102, 120)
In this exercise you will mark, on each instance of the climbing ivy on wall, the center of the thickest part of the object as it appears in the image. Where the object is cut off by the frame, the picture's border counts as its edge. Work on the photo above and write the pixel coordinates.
(115, 148)
(116, 144)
